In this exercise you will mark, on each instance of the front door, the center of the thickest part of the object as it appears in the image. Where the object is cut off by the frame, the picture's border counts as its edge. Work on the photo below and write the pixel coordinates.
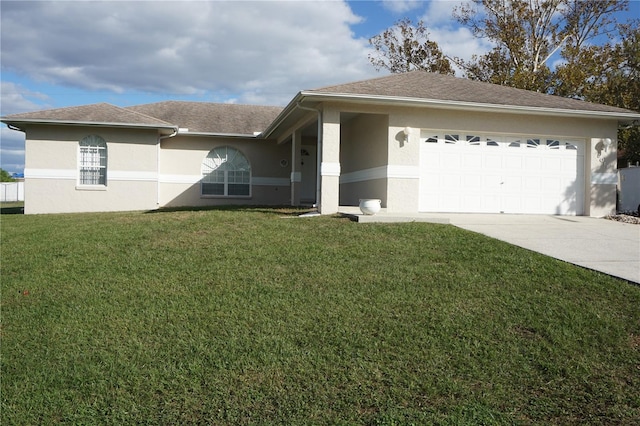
(308, 158)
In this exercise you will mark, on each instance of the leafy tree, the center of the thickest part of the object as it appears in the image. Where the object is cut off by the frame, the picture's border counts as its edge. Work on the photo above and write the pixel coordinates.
(611, 76)
(527, 34)
(405, 47)
(5, 176)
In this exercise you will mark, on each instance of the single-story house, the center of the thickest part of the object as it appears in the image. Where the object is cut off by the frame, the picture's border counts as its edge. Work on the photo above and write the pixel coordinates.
(420, 142)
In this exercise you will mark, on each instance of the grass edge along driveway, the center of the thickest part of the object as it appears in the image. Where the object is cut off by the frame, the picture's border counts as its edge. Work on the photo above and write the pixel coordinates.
(248, 316)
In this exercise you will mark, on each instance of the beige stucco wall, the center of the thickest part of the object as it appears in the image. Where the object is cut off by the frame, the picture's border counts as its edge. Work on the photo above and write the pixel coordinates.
(363, 146)
(402, 174)
(51, 170)
(181, 160)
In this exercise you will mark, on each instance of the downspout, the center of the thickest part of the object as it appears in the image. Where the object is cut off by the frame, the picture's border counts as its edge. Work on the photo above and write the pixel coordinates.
(160, 138)
(319, 156)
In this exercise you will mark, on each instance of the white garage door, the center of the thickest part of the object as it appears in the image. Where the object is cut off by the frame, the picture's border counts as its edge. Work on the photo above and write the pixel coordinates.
(507, 174)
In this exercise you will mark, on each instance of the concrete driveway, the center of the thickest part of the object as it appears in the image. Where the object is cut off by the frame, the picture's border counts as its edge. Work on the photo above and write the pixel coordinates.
(599, 244)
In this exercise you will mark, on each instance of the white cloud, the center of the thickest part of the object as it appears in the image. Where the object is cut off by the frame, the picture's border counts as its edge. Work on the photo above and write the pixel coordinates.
(15, 98)
(453, 39)
(11, 150)
(250, 51)
(401, 6)
(440, 12)
(459, 42)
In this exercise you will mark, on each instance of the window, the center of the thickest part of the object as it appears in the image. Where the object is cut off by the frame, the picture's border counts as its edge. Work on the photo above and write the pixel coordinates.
(451, 139)
(473, 140)
(93, 161)
(227, 173)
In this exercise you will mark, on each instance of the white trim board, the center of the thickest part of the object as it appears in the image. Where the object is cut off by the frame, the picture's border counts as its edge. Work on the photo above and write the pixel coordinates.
(382, 172)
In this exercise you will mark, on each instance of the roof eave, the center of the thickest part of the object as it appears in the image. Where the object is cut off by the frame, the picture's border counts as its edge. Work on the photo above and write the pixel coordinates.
(467, 106)
(18, 122)
(291, 106)
(220, 135)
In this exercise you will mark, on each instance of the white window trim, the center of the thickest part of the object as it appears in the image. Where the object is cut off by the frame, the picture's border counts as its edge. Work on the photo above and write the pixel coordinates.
(226, 179)
(92, 187)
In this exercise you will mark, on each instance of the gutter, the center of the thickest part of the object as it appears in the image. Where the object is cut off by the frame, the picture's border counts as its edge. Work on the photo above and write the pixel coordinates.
(10, 122)
(12, 127)
(463, 105)
(219, 135)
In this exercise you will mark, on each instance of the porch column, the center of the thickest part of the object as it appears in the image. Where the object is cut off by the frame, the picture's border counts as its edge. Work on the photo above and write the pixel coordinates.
(296, 170)
(329, 152)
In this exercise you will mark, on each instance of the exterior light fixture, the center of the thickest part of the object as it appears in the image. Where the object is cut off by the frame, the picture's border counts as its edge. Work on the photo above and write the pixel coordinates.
(607, 143)
(407, 132)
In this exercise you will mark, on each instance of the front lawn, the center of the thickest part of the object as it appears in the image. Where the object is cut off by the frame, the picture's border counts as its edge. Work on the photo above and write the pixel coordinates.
(252, 316)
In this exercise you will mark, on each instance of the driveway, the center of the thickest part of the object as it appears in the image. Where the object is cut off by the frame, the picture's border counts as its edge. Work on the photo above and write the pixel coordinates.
(599, 244)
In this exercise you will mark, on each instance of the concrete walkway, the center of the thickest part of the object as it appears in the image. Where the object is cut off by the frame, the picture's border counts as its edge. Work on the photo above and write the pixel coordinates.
(602, 245)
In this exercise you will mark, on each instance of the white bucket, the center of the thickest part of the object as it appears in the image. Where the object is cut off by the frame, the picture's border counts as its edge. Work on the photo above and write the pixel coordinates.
(370, 206)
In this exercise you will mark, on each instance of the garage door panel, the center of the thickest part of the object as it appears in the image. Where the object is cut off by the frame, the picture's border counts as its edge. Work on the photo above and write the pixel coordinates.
(552, 164)
(532, 163)
(493, 161)
(472, 182)
(506, 174)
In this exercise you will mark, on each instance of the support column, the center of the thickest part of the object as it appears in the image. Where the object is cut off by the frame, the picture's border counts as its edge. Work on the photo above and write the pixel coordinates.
(296, 170)
(329, 150)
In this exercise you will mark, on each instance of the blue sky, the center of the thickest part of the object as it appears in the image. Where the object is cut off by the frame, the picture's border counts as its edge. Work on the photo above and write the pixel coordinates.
(63, 53)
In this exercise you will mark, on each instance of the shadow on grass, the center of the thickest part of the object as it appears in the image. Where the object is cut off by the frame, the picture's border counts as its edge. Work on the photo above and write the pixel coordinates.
(277, 210)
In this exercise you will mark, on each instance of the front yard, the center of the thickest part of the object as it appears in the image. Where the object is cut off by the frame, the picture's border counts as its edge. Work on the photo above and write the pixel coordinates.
(252, 316)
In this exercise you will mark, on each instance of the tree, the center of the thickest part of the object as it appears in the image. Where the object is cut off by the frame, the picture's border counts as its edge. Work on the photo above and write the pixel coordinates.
(612, 77)
(405, 47)
(5, 176)
(527, 34)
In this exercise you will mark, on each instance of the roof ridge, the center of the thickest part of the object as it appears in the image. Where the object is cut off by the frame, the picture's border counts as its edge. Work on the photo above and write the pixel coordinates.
(175, 101)
(365, 80)
(130, 111)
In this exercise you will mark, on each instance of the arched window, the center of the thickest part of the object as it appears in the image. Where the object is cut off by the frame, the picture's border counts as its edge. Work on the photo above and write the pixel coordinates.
(92, 162)
(226, 172)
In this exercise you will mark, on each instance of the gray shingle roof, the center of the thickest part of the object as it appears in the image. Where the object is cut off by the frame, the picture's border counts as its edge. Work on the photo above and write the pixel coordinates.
(94, 113)
(425, 85)
(211, 117)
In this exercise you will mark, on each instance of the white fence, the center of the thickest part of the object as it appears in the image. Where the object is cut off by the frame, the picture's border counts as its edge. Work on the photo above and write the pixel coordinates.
(629, 187)
(11, 191)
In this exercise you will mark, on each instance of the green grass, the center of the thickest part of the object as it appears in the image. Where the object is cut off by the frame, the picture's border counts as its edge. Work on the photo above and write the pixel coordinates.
(241, 316)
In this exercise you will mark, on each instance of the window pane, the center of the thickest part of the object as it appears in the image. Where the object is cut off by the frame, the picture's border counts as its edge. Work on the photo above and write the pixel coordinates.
(93, 161)
(226, 167)
(212, 188)
(238, 189)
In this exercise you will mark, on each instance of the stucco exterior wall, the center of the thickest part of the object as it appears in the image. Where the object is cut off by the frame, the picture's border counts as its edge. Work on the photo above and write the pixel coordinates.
(402, 173)
(363, 147)
(51, 170)
(181, 160)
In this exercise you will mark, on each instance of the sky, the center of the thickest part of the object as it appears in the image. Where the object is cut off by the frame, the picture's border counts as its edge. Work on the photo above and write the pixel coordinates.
(64, 53)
